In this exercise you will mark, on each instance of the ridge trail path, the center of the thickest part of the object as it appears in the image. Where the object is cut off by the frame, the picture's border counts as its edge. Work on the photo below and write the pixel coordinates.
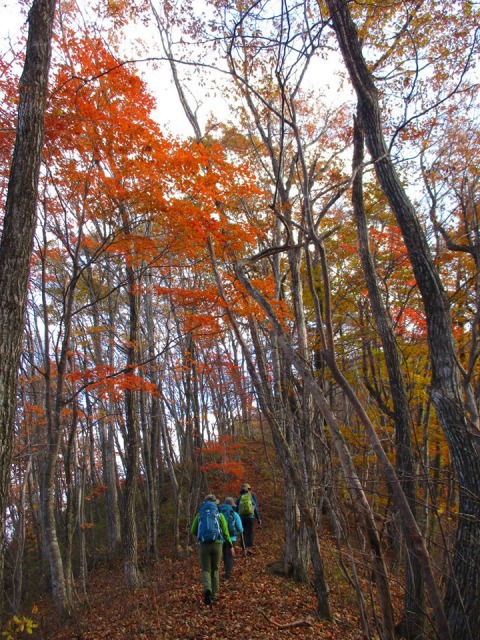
(254, 605)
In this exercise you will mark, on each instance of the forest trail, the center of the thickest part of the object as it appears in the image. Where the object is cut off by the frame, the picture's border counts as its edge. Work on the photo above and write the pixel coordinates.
(254, 605)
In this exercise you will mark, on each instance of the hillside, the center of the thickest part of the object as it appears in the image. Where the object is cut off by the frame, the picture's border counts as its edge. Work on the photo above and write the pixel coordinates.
(255, 604)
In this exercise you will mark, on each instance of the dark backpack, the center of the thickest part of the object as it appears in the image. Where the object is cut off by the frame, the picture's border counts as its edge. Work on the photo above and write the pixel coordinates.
(245, 506)
(228, 513)
(209, 523)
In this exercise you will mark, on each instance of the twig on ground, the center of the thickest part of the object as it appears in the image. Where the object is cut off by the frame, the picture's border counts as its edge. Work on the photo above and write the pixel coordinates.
(287, 625)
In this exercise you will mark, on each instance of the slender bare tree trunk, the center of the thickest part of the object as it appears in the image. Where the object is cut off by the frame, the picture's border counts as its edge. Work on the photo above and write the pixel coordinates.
(20, 540)
(296, 554)
(82, 529)
(296, 551)
(55, 401)
(151, 431)
(69, 455)
(132, 443)
(106, 427)
(110, 459)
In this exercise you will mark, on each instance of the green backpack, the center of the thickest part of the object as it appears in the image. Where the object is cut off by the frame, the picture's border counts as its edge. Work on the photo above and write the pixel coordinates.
(245, 506)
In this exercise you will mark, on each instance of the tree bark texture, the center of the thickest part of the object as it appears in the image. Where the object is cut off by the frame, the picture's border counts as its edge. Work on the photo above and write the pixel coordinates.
(18, 231)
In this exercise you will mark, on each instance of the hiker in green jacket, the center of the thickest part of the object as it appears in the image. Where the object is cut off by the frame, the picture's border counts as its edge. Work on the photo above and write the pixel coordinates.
(211, 530)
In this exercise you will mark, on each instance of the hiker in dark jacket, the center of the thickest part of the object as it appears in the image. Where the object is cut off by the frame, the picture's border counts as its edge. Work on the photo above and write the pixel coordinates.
(248, 518)
(228, 511)
(210, 551)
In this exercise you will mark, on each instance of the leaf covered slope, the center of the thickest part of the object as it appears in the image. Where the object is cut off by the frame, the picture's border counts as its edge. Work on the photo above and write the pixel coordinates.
(255, 604)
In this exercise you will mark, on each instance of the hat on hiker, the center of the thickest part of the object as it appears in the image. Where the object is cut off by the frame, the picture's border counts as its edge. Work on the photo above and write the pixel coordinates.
(229, 501)
(211, 498)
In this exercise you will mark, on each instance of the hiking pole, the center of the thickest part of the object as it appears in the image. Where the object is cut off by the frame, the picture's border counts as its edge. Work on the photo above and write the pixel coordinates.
(244, 547)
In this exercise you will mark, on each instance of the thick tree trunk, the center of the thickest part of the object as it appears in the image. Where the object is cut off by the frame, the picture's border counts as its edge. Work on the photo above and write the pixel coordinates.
(18, 231)
(461, 602)
(296, 553)
(51, 546)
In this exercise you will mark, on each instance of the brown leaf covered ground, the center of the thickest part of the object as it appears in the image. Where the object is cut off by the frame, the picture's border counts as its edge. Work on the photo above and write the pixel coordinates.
(254, 605)
(170, 605)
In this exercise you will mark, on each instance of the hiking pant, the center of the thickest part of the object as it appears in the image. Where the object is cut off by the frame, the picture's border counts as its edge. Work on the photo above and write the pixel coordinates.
(248, 523)
(228, 560)
(210, 557)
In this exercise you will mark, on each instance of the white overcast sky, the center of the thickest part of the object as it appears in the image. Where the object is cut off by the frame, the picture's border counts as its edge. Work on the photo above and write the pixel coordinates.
(11, 21)
(169, 112)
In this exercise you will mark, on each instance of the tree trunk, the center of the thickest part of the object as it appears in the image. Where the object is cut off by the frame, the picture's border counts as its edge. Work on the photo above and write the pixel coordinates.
(412, 624)
(18, 231)
(19, 538)
(55, 401)
(110, 460)
(82, 533)
(296, 553)
(106, 427)
(110, 471)
(327, 340)
(69, 455)
(51, 547)
(132, 444)
(461, 601)
(151, 430)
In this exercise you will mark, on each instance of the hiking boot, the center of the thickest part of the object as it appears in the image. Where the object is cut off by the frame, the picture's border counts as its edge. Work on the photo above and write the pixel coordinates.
(207, 597)
(214, 601)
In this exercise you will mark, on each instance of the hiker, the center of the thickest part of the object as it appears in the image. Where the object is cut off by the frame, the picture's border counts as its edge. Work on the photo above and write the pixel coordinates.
(235, 527)
(211, 529)
(247, 508)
